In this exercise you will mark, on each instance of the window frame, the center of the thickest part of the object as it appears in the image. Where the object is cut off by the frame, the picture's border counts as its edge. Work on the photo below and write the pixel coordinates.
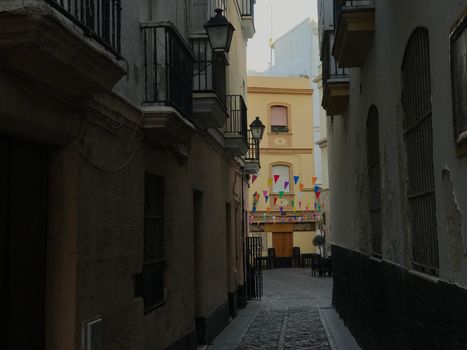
(279, 128)
(291, 185)
(460, 136)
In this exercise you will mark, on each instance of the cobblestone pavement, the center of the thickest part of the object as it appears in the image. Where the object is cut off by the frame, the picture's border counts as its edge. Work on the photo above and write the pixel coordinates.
(287, 317)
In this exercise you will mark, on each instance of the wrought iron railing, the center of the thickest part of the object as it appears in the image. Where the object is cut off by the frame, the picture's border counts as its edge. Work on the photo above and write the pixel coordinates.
(253, 148)
(168, 68)
(246, 7)
(341, 5)
(236, 123)
(330, 67)
(209, 73)
(99, 19)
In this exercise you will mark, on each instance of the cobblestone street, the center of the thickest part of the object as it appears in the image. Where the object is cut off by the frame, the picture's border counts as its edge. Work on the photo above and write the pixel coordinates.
(287, 317)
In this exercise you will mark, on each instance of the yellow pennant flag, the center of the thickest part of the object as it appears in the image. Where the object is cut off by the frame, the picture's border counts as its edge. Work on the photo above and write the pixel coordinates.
(269, 182)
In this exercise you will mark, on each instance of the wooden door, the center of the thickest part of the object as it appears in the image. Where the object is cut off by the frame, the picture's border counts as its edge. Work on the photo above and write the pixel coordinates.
(283, 244)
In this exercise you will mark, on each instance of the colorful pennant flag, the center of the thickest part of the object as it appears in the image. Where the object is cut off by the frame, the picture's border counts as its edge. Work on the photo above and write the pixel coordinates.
(266, 199)
(313, 179)
(276, 177)
(293, 204)
(253, 178)
(254, 209)
(302, 186)
(318, 194)
(269, 182)
(300, 205)
(275, 200)
(316, 188)
(295, 179)
(286, 184)
(281, 194)
(265, 193)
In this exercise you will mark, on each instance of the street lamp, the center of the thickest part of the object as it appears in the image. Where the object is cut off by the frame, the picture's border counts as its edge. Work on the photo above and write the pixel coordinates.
(220, 32)
(257, 129)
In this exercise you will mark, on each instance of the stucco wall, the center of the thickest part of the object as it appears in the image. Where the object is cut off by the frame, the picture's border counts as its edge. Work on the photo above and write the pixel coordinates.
(395, 20)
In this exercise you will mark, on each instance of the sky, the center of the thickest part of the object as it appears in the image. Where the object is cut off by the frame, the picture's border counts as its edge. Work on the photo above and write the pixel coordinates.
(273, 18)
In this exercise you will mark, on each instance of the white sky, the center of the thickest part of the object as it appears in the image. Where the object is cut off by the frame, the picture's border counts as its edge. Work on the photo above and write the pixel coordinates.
(273, 18)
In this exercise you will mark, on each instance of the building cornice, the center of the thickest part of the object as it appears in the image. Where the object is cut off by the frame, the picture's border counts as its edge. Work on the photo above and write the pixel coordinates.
(308, 150)
(271, 90)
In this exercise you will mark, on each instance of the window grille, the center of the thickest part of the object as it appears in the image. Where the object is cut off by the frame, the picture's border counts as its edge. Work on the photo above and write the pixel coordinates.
(459, 79)
(374, 181)
(418, 137)
(152, 277)
(279, 119)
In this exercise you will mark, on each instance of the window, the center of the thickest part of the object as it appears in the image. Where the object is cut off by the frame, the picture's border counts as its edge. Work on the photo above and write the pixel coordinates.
(279, 122)
(151, 284)
(374, 201)
(459, 79)
(283, 171)
(418, 137)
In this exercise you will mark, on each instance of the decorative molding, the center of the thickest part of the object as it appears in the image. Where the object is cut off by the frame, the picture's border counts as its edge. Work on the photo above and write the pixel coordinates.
(287, 91)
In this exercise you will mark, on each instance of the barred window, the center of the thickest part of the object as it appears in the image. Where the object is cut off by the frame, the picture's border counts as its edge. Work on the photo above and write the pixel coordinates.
(459, 78)
(152, 277)
(418, 137)
(374, 202)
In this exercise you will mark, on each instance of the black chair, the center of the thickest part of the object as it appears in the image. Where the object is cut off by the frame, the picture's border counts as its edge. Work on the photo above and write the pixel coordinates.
(271, 258)
(316, 266)
(296, 262)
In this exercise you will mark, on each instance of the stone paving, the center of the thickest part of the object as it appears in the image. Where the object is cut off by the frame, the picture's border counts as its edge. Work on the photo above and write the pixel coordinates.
(287, 317)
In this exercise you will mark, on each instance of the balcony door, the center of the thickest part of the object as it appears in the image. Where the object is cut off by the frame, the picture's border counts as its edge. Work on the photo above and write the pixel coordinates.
(23, 219)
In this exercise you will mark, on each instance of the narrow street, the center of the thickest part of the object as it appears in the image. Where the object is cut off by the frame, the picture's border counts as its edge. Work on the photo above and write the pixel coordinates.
(289, 316)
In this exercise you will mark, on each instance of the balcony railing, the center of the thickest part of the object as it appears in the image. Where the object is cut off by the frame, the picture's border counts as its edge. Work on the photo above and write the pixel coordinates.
(341, 5)
(330, 68)
(209, 74)
(99, 19)
(168, 68)
(236, 124)
(253, 149)
(246, 7)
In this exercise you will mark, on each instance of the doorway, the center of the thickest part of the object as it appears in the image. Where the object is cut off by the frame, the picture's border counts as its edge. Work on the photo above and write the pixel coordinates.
(23, 230)
(282, 243)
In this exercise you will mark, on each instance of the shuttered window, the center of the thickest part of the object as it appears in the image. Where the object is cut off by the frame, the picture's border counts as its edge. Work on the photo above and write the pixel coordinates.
(283, 171)
(374, 202)
(418, 137)
(279, 120)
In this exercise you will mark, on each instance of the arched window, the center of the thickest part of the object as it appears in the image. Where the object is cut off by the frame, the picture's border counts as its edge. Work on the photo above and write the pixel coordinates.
(279, 119)
(283, 171)
(374, 200)
(418, 137)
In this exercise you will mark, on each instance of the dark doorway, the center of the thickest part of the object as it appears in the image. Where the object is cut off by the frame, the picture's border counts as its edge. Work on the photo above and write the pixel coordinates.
(23, 228)
(197, 258)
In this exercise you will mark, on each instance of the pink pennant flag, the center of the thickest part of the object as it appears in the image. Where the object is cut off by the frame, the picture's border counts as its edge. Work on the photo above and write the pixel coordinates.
(276, 177)
(286, 184)
(253, 178)
(265, 193)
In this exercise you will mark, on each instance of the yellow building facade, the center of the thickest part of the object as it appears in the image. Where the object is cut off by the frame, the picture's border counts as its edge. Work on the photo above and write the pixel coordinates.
(282, 194)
